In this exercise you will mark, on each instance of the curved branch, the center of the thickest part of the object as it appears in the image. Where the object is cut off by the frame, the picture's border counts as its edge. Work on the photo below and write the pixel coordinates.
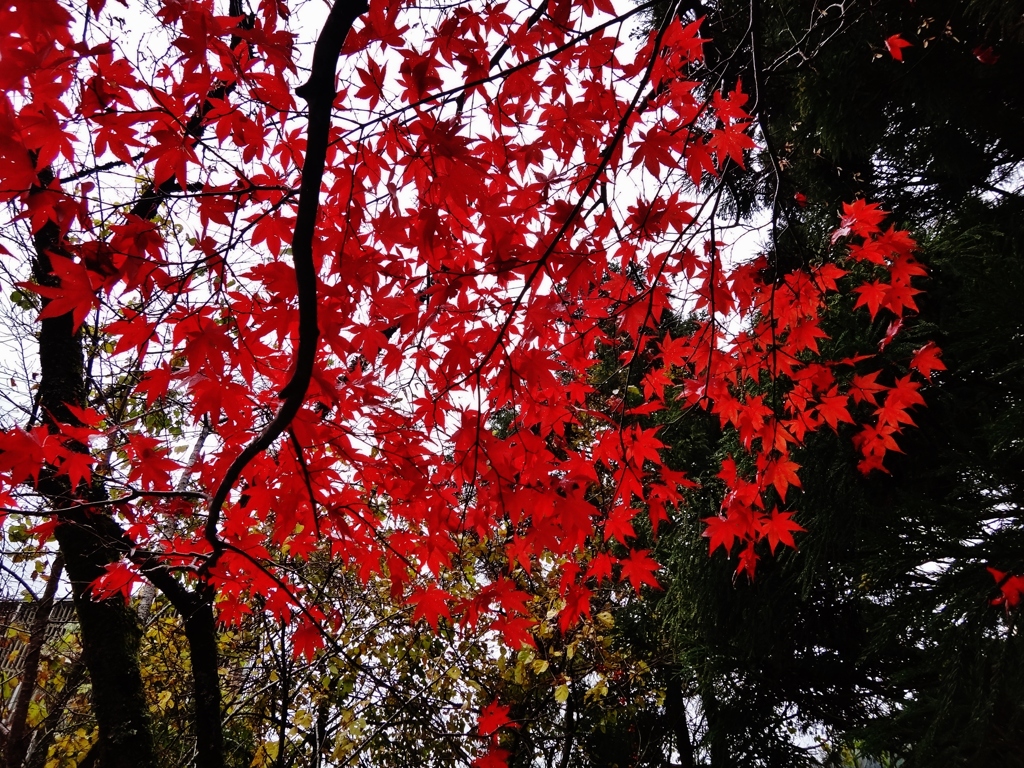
(196, 611)
(17, 577)
(132, 495)
(319, 94)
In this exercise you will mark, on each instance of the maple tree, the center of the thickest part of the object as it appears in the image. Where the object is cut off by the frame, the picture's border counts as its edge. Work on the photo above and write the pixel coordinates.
(382, 305)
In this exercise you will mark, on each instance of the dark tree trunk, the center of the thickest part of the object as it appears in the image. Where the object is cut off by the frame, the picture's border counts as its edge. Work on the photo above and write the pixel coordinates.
(110, 629)
(200, 629)
(716, 735)
(675, 711)
(110, 649)
(196, 611)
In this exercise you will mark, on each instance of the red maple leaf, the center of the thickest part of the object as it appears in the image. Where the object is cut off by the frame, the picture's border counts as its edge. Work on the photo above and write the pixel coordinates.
(655, 149)
(723, 532)
(641, 445)
(118, 579)
(860, 218)
(509, 597)
(372, 79)
(781, 473)
(430, 603)
(577, 604)
(872, 295)
(307, 640)
(895, 45)
(135, 331)
(77, 466)
(491, 265)
(731, 142)
(891, 333)
(492, 717)
(833, 409)
(926, 360)
(600, 567)
(515, 630)
(985, 55)
(619, 523)
(1011, 588)
(747, 561)
(76, 293)
(865, 388)
(778, 528)
(639, 569)
(150, 464)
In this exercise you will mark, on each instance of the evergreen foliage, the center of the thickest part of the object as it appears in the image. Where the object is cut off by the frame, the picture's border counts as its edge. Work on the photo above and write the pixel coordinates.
(877, 640)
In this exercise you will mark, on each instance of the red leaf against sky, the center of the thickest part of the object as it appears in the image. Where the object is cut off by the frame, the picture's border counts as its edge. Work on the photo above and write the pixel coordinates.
(308, 639)
(76, 293)
(515, 631)
(118, 580)
(151, 466)
(656, 149)
(430, 603)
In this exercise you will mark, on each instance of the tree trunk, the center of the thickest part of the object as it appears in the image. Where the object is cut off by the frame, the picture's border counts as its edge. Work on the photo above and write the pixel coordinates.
(201, 631)
(716, 736)
(110, 649)
(110, 629)
(675, 711)
(17, 736)
(196, 611)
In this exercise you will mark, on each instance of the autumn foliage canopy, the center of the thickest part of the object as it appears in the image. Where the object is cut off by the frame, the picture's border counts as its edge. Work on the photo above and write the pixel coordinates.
(509, 195)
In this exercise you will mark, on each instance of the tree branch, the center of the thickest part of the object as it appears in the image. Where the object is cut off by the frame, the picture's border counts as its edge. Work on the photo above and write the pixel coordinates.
(319, 94)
